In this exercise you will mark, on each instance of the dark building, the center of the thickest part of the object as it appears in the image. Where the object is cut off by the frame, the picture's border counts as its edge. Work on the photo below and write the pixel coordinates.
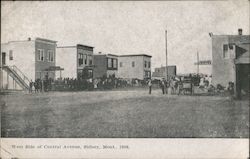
(161, 72)
(105, 65)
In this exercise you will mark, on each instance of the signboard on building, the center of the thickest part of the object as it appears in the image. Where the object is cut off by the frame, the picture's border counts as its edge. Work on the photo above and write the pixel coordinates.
(205, 62)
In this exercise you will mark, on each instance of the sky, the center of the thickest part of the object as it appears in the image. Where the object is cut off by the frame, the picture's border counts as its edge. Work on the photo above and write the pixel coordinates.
(129, 27)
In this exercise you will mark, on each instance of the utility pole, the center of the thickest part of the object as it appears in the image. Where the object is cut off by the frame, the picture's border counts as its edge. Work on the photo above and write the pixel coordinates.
(166, 38)
(1, 72)
(198, 62)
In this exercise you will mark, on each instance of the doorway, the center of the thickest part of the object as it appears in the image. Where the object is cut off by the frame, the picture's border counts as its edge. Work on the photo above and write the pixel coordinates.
(3, 58)
(242, 80)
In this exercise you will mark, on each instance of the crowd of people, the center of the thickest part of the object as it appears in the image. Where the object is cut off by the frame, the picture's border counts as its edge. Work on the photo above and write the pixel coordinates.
(174, 85)
(182, 84)
(75, 84)
(41, 85)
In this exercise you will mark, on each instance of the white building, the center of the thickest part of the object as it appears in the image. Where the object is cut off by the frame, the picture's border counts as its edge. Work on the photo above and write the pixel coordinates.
(23, 61)
(137, 66)
(77, 61)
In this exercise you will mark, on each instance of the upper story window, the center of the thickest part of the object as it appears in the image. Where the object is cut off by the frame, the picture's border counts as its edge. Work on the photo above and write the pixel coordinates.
(85, 59)
(80, 59)
(120, 64)
(149, 64)
(145, 64)
(90, 60)
(225, 51)
(109, 63)
(51, 56)
(133, 64)
(40, 55)
(11, 55)
(112, 63)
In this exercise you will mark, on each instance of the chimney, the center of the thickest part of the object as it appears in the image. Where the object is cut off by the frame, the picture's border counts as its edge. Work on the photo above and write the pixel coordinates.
(100, 52)
(29, 39)
(240, 31)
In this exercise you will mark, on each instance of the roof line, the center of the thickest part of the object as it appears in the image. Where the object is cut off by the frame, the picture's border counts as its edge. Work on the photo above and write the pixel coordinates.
(66, 47)
(43, 39)
(135, 55)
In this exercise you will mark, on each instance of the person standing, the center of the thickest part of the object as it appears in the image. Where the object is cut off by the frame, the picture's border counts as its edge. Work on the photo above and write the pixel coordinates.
(162, 86)
(30, 86)
(150, 85)
(166, 86)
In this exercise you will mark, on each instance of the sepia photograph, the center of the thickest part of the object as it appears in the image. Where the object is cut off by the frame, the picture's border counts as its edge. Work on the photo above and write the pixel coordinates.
(125, 70)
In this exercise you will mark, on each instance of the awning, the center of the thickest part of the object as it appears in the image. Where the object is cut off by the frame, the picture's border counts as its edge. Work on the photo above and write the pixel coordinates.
(242, 54)
(54, 68)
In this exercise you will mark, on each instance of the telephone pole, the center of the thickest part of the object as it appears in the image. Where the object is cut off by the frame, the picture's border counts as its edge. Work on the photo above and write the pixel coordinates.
(198, 60)
(166, 38)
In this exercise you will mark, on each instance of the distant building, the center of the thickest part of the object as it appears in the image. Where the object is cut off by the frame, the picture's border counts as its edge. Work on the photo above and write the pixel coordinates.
(23, 61)
(105, 65)
(161, 72)
(137, 66)
(231, 61)
(77, 61)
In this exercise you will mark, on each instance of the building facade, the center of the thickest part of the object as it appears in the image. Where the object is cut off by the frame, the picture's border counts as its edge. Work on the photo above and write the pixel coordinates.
(231, 61)
(105, 65)
(23, 61)
(160, 72)
(134, 66)
(77, 61)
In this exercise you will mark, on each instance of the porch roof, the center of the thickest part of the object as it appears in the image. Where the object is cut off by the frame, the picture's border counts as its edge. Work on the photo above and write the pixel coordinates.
(54, 68)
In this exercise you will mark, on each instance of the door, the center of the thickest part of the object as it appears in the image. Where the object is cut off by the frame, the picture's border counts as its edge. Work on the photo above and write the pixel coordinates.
(3, 58)
(242, 80)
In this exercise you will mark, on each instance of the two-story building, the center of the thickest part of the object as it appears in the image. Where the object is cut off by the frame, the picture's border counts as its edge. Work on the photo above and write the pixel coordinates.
(231, 61)
(161, 72)
(77, 61)
(136, 66)
(23, 61)
(105, 65)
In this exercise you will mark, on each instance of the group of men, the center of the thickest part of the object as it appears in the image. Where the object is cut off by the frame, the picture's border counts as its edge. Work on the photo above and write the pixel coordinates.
(173, 85)
(40, 85)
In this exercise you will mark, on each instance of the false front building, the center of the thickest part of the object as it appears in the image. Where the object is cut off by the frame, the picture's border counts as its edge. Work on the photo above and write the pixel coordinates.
(161, 72)
(137, 66)
(231, 61)
(23, 61)
(77, 61)
(105, 65)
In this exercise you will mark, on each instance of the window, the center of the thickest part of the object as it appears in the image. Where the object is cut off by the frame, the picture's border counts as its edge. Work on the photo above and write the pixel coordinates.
(149, 64)
(11, 54)
(120, 64)
(85, 59)
(133, 64)
(114, 63)
(109, 63)
(50, 56)
(145, 64)
(225, 51)
(40, 55)
(80, 59)
(90, 73)
(147, 74)
(90, 60)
